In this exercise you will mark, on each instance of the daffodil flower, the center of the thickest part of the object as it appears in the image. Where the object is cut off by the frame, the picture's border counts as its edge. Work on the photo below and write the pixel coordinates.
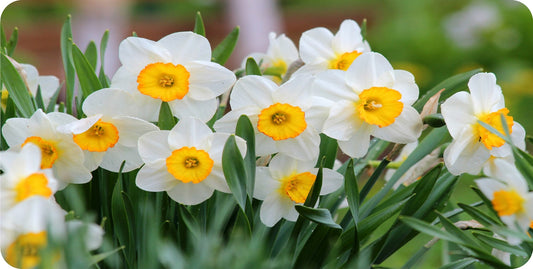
(23, 177)
(370, 98)
(58, 150)
(285, 117)
(186, 161)
(285, 183)
(508, 192)
(472, 144)
(108, 137)
(321, 50)
(176, 69)
(280, 54)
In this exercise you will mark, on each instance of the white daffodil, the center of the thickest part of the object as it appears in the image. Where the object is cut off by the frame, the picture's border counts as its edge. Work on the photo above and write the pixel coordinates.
(321, 50)
(280, 54)
(508, 192)
(48, 84)
(472, 144)
(107, 137)
(59, 151)
(25, 229)
(285, 118)
(186, 161)
(370, 98)
(23, 177)
(176, 69)
(285, 183)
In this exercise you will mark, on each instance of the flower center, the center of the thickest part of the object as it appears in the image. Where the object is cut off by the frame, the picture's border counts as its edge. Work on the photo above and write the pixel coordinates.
(189, 164)
(49, 153)
(164, 81)
(24, 252)
(281, 121)
(493, 119)
(100, 137)
(343, 61)
(297, 187)
(379, 106)
(34, 184)
(507, 202)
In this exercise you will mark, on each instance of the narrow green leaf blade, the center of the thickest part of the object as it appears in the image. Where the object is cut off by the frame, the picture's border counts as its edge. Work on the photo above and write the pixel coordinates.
(234, 171)
(252, 68)
(16, 87)
(222, 52)
(166, 119)
(92, 55)
(328, 150)
(199, 27)
(101, 75)
(68, 65)
(501, 245)
(245, 130)
(12, 42)
(318, 215)
(352, 191)
(86, 75)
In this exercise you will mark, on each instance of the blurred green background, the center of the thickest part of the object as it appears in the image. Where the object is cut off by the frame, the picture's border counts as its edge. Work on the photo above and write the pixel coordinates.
(433, 39)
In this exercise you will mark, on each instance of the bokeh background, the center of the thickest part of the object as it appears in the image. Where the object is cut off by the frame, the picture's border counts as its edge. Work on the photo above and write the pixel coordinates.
(433, 39)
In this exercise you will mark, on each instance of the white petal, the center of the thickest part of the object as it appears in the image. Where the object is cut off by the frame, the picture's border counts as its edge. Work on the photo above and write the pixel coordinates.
(49, 85)
(153, 146)
(217, 146)
(124, 79)
(331, 84)
(311, 69)
(488, 186)
(318, 113)
(457, 113)
(331, 181)
(117, 102)
(69, 168)
(357, 145)
(404, 82)
(366, 69)
(188, 132)
(155, 177)
(264, 145)
(465, 154)
(518, 136)
(216, 179)
(130, 129)
(208, 80)
(93, 233)
(91, 160)
(283, 165)
(190, 193)
(188, 107)
(283, 48)
(486, 94)
(15, 131)
(228, 122)
(296, 92)
(406, 128)
(264, 183)
(348, 38)
(186, 47)
(315, 46)
(252, 91)
(342, 122)
(135, 53)
(79, 126)
(31, 76)
(303, 147)
(119, 153)
(274, 207)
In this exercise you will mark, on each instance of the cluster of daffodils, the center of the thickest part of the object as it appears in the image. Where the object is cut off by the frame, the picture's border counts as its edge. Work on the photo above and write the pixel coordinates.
(333, 84)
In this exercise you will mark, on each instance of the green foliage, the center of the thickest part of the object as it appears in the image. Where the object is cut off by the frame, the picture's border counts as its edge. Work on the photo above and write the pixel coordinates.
(16, 87)
(222, 52)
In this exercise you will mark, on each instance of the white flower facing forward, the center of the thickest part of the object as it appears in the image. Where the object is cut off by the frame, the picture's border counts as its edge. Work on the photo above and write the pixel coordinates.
(370, 98)
(508, 192)
(176, 69)
(107, 137)
(23, 177)
(186, 161)
(284, 117)
(281, 53)
(26, 228)
(472, 144)
(321, 50)
(58, 150)
(285, 183)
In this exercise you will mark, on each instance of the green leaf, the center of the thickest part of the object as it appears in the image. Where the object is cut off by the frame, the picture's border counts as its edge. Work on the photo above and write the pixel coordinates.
(422, 191)
(252, 68)
(428, 229)
(486, 201)
(39, 99)
(318, 215)
(12, 43)
(317, 247)
(524, 163)
(501, 245)
(222, 52)
(234, 171)
(16, 87)
(370, 223)
(328, 150)
(199, 24)
(372, 180)
(68, 65)
(310, 201)
(479, 215)
(466, 238)
(459, 264)
(91, 54)
(451, 86)
(103, 45)
(122, 224)
(86, 75)
(53, 100)
(101, 256)
(166, 119)
(245, 130)
(352, 191)
(434, 120)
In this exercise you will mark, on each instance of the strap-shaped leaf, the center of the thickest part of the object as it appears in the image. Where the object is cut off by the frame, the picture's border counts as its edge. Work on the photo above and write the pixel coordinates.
(318, 215)
(101, 75)
(222, 52)
(86, 75)
(68, 64)
(251, 67)
(199, 27)
(92, 55)
(234, 171)
(16, 87)
(166, 119)
(245, 130)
